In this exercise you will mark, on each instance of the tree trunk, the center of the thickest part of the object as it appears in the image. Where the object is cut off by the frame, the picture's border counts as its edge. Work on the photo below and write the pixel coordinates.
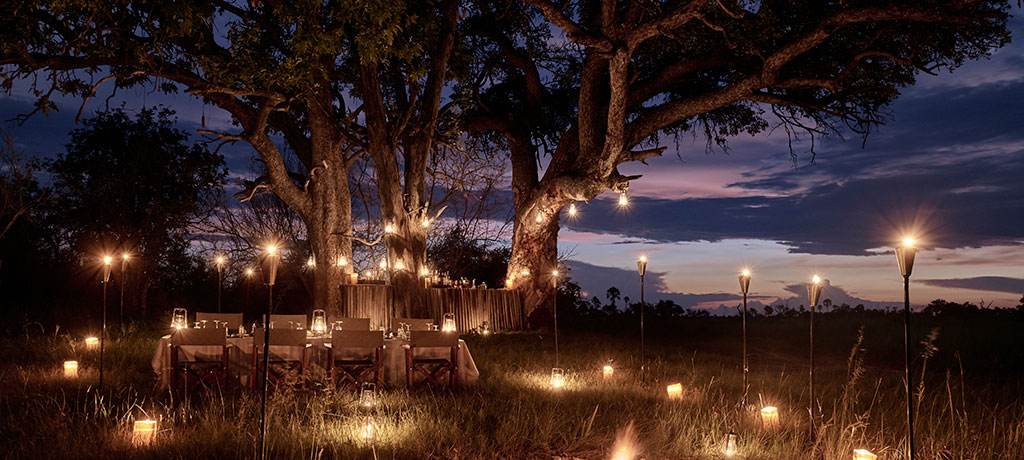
(407, 254)
(535, 251)
(327, 227)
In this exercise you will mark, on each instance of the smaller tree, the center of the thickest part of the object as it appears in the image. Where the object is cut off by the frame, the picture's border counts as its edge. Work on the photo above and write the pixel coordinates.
(137, 186)
(19, 191)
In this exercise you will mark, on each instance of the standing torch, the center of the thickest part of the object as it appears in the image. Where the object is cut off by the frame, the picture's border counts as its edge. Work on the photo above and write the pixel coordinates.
(124, 273)
(554, 310)
(269, 264)
(744, 287)
(103, 332)
(905, 258)
(641, 267)
(813, 293)
(220, 270)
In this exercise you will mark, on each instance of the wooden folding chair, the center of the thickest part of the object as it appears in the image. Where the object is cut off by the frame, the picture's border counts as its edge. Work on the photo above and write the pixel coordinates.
(415, 324)
(281, 368)
(289, 321)
(354, 324)
(233, 320)
(432, 368)
(202, 369)
(357, 355)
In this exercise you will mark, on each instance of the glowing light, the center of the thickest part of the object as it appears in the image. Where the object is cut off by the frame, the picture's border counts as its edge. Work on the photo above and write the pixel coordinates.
(389, 228)
(643, 258)
(125, 256)
(626, 446)
(368, 432)
(557, 378)
(623, 200)
(144, 432)
(675, 391)
(107, 259)
(248, 272)
(448, 323)
(572, 209)
(607, 372)
(91, 342)
(540, 218)
(746, 272)
(770, 417)
(425, 223)
(70, 369)
(310, 263)
(730, 443)
(554, 273)
(271, 250)
(424, 271)
(342, 261)
(525, 272)
(383, 263)
(816, 279)
(863, 454)
(220, 260)
(908, 242)
(319, 324)
(399, 265)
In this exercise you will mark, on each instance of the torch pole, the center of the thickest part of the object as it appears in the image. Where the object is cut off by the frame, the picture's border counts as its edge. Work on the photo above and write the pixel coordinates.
(219, 284)
(643, 347)
(266, 370)
(812, 372)
(554, 310)
(103, 333)
(745, 367)
(124, 270)
(906, 343)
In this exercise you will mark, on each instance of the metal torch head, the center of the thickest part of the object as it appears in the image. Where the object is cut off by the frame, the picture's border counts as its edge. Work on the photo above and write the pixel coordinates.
(641, 265)
(905, 258)
(814, 292)
(269, 264)
(745, 281)
(106, 269)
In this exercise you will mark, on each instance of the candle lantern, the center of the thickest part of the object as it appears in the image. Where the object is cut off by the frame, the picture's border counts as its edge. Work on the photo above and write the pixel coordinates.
(770, 417)
(485, 328)
(71, 369)
(179, 319)
(448, 323)
(675, 391)
(368, 430)
(557, 377)
(730, 443)
(607, 372)
(144, 432)
(319, 324)
(368, 395)
(91, 343)
(863, 454)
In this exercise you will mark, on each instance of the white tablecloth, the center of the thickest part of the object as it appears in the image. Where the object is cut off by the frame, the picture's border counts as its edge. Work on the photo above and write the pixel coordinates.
(240, 358)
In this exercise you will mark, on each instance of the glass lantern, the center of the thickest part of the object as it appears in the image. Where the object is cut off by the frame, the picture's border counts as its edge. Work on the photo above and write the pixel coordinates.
(448, 323)
(557, 377)
(179, 318)
(368, 395)
(319, 324)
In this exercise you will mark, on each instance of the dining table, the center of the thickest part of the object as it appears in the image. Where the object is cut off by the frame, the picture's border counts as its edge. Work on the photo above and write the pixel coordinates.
(239, 349)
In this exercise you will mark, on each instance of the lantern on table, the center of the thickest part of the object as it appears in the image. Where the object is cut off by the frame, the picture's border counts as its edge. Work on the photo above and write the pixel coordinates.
(770, 417)
(179, 319)
(675, 391)
(607, 372)
(91, 343)
(143, 432)
(319, 324)
(863, 454)
(448, 323)
(557, 377)
(485, 328)
(70, 369)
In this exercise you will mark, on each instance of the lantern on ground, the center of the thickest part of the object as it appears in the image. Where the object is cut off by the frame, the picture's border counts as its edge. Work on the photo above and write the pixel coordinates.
(143, 432)
(674, 391)
(368, 395)
(770, 417)
(863, 454)
(557, 377)
(607, 372)
(367, 430)
(448, 322)
(731, 440)
(70, 369)
(485, 328)
(319, 324)
(91, 343)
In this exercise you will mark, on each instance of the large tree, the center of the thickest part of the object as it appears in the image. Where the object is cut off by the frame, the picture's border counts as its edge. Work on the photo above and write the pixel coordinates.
(638, 72)
(321, 80)
(113, 193)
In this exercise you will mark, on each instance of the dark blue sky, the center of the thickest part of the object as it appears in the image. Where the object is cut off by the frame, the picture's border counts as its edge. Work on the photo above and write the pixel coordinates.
(948, 168)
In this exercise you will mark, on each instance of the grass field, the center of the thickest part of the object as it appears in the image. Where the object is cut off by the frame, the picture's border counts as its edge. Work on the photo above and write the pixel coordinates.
(968, 400)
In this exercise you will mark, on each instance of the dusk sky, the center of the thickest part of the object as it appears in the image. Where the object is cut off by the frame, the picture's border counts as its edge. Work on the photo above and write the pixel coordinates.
(947, 168)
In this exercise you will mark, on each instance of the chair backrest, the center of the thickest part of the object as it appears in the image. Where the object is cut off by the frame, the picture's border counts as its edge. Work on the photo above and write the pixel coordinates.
(424, 339)
(354, 324)
(234, 320)
(280, 337)
(288, 321)
(357, 339)
(415, 324)
(192, 336)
